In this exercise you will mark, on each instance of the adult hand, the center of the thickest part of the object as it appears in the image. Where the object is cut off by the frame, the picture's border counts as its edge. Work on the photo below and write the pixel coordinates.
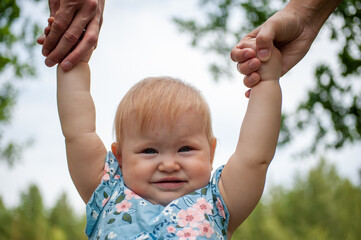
(67, 43)
(292, 30)
(287, 31)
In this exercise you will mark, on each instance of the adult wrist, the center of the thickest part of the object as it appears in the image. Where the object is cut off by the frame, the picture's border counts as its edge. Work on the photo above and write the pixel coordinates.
(313, 12)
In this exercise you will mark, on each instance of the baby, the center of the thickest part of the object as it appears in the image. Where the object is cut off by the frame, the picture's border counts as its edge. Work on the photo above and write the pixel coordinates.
(156, 182)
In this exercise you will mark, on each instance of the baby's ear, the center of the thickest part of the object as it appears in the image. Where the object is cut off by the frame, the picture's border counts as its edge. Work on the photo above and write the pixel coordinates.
(116, 152)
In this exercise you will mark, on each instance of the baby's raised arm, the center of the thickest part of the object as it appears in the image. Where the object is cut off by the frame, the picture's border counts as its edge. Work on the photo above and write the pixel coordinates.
(243, 177)
(85, 150)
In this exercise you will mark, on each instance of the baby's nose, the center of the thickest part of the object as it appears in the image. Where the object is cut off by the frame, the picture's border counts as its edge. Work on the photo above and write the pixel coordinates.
(169, 165)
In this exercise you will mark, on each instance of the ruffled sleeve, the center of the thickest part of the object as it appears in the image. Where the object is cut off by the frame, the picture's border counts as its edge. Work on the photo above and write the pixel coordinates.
(112, 178)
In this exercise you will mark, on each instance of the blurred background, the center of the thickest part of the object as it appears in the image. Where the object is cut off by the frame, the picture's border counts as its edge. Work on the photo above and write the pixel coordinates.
(313, 188)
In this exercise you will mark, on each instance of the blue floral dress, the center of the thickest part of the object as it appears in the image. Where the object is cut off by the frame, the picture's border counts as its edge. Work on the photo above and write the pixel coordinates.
(115, 212)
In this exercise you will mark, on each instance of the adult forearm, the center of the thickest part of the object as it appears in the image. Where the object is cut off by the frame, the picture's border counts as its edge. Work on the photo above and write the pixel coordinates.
(314, 12)
(75, 104)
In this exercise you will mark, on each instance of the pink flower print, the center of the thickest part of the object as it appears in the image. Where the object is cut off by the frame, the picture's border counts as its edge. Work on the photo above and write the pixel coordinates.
(203, 205)
(171, 229)
(187, 233)
(205, 229)
(123, 206)
(191, 216)
(105, 200)
(220, 208)
(106, 167)
(116, 176)
(129, 194)
(106, 176)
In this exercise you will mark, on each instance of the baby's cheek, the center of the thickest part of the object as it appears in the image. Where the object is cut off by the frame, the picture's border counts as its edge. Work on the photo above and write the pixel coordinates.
(204, 174)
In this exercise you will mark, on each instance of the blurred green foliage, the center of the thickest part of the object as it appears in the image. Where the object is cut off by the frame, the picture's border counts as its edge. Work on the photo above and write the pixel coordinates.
(331, 110)
(31, 220)
(17, 41)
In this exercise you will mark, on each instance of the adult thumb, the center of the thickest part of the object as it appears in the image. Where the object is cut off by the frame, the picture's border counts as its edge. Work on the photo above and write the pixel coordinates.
(264, 41)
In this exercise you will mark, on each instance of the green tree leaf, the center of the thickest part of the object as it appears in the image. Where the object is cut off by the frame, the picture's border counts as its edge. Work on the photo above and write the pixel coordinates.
(17, 40)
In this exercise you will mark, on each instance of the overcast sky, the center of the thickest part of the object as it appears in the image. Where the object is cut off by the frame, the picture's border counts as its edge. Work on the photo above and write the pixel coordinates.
(138, 39)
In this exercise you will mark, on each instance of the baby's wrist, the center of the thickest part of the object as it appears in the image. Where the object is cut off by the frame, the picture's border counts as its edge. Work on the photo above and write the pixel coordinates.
(270, 78)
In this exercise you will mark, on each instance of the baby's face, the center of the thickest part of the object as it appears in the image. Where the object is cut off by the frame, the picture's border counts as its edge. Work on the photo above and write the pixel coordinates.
(164, 164)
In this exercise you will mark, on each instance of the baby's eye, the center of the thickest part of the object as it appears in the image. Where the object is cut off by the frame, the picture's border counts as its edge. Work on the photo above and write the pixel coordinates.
(185, 149)
(149, 151)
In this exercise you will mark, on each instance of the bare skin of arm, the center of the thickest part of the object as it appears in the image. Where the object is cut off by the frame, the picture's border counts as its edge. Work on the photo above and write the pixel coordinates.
(85, 150)
(243, 177)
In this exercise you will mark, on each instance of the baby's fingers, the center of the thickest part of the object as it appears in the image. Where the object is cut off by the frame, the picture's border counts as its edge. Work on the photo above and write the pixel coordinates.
(251, 80)
(248, 93)
(242, 54)
(41, 39)
(250, 66)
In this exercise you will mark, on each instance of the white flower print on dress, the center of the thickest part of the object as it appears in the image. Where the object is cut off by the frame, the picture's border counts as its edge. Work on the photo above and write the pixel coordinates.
(112, 235)
(168, 210)
(114, 196)
(143, 237)
(174, 218)
(143, 203)
(94, 214)
(111, 171)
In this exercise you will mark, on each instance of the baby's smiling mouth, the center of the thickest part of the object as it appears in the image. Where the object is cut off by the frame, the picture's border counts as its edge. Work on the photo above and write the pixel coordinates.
(169, 183)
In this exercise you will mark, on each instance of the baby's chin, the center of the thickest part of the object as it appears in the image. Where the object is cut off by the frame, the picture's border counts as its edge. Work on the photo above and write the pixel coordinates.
(166, 198)
(164, 201)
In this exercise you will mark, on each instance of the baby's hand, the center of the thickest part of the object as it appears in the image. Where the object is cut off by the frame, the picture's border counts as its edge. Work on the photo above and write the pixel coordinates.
(42, 38)
(267, 71)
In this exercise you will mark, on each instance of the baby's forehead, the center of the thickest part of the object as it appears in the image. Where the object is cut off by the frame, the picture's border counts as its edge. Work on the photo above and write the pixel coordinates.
(151, 123)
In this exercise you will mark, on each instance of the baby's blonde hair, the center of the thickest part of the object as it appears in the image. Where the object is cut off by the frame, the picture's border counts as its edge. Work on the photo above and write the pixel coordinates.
(160, 100)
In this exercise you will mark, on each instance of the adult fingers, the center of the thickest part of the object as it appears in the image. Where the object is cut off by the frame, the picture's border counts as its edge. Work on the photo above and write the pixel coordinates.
(72, 35)
(63, 19)
(88, 42)
(264, 40)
